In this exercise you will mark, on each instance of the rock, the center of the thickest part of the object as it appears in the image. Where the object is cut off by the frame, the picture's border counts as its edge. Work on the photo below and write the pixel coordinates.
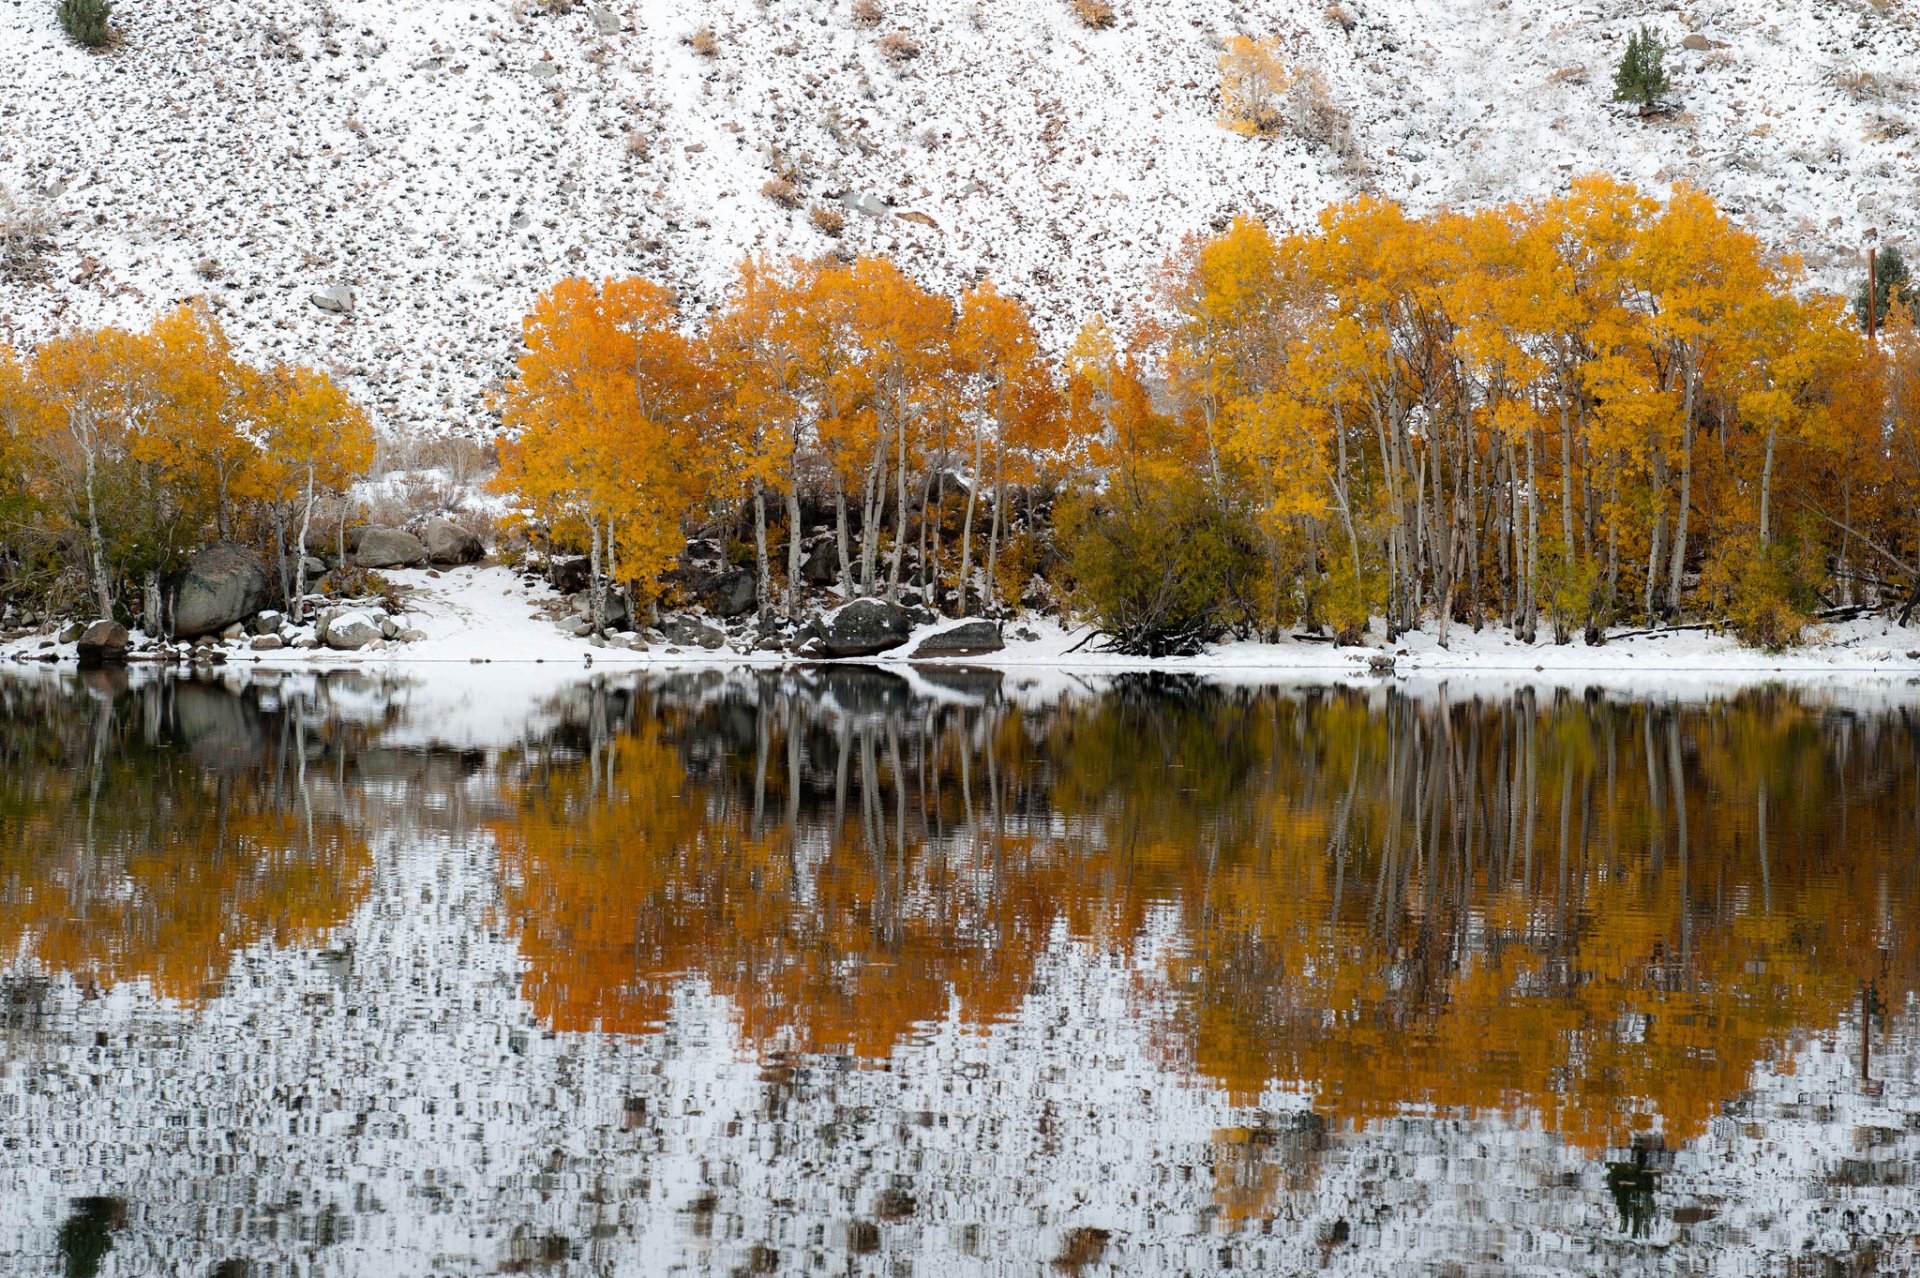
(570, 576)
(731, 594)
(312, 567)
(103, 643)
(966, 639)
(861, 629)
(267, 622)
(335, 299)
(71, 633)
(220, 585)
(771, 643)
(449, 543)
(233, 632)
(617, 613)
(575, 626)
(388, 627)
(605, 20)
(1700, 44)
(389, 548)
(410, 635)
(267, 643)
(1382, 664)
(350, 631)
(543, 71)
(691, 632)
(821, 566)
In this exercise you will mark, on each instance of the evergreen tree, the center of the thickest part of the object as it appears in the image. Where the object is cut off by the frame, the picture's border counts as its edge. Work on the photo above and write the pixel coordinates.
(85, 21)
(1642, 75)
(1888, 281)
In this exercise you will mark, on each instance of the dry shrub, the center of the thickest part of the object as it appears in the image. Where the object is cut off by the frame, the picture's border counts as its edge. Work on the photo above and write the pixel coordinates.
(705, 43)
(1341, 16)
(781, 192)
(1857, 83)
(827, 220)
(899, 48)
(867, 13)
(26, 234)
(639, 145)
(1095, 15)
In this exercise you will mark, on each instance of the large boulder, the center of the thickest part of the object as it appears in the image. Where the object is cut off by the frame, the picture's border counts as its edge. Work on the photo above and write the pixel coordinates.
(571, 575)
(691, 632)
(971, 638)
(730, 594)
(821, 566)
(350, 631)
(619, 616)
(861, 629)
(449, 543)
(389, 548)
(220, 585)
(103, 643)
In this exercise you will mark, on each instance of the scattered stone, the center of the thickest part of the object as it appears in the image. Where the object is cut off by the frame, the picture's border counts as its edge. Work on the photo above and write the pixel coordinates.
(605, 20)
(102, 643)
(861, 629)
(220, 585)
(389, 548)
(449, 543)
(771, 643)
(969, 638)
(1025, 635)
(388, 627)
(267, 643)
(268, 622)
(616, 607)
(543, 71)
(70, 633)
(1382, 664)
(233, 632)
(350, 631)
(575, 626)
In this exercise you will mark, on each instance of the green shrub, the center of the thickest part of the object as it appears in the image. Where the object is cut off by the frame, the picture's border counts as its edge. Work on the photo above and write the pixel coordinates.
(1567, 592)
(1344, 604)
(1165, 572)
(1642, 74)
(1764, 596)
(85, 21)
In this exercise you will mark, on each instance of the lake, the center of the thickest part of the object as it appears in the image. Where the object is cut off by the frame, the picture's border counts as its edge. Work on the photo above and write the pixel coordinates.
(843, 970)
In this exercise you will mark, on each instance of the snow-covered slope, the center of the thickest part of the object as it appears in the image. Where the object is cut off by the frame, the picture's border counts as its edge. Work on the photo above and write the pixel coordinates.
(447, 158)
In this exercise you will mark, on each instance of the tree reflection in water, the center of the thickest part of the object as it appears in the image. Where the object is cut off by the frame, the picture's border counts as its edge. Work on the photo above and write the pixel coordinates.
(1601, 913)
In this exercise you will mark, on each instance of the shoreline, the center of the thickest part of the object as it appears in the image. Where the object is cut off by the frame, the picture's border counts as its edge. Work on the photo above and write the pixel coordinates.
(486, 615)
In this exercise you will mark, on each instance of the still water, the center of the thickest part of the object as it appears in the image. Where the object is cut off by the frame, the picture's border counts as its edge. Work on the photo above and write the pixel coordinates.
(844, 971)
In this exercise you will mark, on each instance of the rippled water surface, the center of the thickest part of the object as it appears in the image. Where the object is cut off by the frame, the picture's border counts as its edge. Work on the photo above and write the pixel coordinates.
(843, 971)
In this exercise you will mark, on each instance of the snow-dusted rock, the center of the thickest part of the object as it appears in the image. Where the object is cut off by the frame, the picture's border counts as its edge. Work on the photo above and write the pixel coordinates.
(861, 629)
(350, 631)
(970, 638)
(103, 643)
(335, 299)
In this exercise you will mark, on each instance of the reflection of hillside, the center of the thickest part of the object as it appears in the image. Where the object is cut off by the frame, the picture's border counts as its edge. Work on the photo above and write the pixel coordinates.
(1602, 914)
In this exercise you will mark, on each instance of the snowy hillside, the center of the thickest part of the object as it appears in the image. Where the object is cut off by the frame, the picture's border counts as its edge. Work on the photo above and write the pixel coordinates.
(446, 159)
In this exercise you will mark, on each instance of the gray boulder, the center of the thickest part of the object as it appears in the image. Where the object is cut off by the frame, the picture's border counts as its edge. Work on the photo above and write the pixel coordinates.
(618, 614)
(731, 594)
(605, 20)
(570, 576)
(970, 638)
(861, 629)
(267, 643)
(220, 585)
(267, 622)
(821, 565)
(449, 543)
(102, 643)
(389, 548)
(691, 632)
(349, 631)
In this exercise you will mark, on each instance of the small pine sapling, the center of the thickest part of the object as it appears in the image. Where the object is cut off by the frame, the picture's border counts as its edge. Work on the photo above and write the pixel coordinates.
(1642, 75)
(1888, 284)
(85, 21)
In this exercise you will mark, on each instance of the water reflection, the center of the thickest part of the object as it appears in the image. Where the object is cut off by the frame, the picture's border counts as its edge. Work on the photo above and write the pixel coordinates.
(846, 968)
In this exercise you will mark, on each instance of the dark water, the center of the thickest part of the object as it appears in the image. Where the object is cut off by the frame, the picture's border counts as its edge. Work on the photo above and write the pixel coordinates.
(844, 972)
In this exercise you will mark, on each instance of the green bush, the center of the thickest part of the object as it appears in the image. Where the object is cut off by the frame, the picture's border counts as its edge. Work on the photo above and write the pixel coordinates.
(1765, 595)
(85, 21)
(1567, 592)
(1165, 572)
(1642, 74)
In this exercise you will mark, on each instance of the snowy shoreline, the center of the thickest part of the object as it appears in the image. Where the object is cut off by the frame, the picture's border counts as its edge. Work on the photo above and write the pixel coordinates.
(487, 615)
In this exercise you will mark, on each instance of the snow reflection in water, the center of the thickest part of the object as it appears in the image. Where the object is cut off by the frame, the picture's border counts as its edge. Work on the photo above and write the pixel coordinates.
(844, 970)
